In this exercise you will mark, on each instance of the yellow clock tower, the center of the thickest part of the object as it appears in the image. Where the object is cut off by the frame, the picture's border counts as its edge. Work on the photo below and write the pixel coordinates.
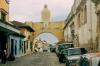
(45, 15)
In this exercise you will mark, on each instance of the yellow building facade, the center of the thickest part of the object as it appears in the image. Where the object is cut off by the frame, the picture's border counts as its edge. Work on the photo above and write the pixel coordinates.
(47, 26)
(55, 28)
(4, 9)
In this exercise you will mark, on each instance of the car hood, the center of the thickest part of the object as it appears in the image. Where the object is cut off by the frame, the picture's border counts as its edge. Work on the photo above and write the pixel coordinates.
(74, 57)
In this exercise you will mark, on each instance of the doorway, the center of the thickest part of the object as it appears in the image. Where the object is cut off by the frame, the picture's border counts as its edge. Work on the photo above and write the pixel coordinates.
(3, 41)
(12, 46)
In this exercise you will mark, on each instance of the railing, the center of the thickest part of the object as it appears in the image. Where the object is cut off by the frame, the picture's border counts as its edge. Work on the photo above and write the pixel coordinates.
(56, 28)
(95, 1)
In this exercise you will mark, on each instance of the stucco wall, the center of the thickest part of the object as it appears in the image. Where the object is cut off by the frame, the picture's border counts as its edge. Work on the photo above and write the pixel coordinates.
(86, 32)
(55, 28)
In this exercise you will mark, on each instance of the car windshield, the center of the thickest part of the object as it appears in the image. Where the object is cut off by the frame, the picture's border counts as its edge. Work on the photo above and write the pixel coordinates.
(74, 51)
(65, 46)
(64, 52)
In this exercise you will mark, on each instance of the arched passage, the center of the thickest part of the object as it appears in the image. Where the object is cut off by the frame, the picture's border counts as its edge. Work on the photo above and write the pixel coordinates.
(49, 37)
(55, 28)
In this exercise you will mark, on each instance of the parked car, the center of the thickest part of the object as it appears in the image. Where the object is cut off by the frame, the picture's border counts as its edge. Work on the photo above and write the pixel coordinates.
(45, 50)
(53, 49)
(63, 46)
(90, 59)
(62, 57)
(73, 56)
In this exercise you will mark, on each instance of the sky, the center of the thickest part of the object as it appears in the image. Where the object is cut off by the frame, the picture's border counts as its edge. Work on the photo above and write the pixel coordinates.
(50, 38)
(30, 10)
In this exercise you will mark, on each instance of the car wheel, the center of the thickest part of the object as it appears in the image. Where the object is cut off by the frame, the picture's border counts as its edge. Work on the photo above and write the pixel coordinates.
(67, 64)
(61, 60)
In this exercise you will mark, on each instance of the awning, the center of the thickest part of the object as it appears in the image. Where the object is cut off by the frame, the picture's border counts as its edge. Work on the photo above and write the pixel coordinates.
(6, 27)
(28, 28)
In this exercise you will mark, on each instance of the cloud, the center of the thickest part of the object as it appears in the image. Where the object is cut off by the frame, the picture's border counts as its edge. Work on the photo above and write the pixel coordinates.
(24, 10)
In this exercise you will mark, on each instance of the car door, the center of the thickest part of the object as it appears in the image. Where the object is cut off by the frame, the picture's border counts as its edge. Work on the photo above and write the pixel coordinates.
(95, 61)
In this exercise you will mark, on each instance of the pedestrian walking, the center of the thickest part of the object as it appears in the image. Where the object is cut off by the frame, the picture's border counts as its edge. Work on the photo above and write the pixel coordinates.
(3, 57)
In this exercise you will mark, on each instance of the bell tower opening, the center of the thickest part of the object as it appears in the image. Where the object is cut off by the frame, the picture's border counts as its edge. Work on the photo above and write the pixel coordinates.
(45, 6)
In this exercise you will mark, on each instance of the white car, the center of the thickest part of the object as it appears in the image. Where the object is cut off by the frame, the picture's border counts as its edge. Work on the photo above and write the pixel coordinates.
(73, 55)
(90, 59)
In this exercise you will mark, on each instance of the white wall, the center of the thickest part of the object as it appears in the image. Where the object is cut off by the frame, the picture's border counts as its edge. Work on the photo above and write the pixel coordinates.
(88, 30)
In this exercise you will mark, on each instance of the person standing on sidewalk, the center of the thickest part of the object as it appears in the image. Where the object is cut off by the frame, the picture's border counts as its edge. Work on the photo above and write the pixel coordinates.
(3, 57)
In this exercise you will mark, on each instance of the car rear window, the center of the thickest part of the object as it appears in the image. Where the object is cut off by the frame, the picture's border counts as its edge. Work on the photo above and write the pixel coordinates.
(75, 51)
(66, 46)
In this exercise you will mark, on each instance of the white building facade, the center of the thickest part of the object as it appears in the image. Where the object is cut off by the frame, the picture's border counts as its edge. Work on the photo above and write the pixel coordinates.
(84, 19)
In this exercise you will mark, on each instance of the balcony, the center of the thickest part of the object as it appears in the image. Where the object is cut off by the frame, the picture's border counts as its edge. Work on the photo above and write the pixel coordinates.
(95, 1)
(5, 26)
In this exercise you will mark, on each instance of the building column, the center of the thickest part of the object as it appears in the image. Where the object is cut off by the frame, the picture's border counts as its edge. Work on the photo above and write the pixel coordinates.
(98, 30)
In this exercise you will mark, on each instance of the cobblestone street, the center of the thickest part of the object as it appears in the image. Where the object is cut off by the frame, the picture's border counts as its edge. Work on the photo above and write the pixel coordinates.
(38, 59)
